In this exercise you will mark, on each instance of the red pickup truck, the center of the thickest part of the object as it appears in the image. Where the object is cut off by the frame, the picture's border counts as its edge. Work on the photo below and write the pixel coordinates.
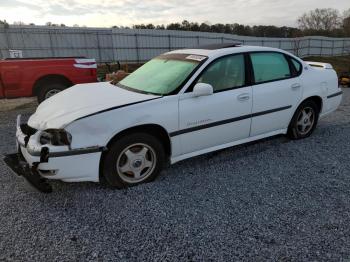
(43, 77)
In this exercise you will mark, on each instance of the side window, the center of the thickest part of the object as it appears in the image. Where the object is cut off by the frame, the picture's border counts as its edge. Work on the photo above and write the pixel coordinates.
(269, 67)
(225, 73)
(297, 65)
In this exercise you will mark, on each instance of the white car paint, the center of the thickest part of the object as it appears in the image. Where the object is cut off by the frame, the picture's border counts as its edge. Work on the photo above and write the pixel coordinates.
(81, 100)
(94, 113)
(285, 93)
(191, 108)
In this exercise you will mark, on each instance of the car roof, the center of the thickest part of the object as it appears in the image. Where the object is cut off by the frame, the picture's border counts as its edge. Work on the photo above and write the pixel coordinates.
(224, 49)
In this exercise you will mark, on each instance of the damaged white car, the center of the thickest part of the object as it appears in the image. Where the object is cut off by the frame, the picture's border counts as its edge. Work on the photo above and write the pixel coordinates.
(178, 105)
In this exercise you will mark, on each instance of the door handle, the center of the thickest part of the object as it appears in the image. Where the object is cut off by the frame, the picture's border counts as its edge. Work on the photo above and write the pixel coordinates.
(243, 97)
(295, 86)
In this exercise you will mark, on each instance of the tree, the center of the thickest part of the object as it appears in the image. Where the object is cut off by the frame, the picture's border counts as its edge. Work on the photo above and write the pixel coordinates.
(346, 22)
(219, 28)
(143, 26)
(150, 26)
(160, 27)
(239, 29)
(174, 26)
(194, 27)
(4, 24)
(326, 19)
(326, 22)
(185, 25)
(204, 27)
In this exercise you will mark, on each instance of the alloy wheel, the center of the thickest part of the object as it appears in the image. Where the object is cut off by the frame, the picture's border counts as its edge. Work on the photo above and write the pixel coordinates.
(306, 120)
(136, 163)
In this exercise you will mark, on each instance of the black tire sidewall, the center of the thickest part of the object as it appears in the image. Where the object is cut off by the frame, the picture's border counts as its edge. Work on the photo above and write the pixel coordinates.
(109, 159)
(293, 132)
(46, 88)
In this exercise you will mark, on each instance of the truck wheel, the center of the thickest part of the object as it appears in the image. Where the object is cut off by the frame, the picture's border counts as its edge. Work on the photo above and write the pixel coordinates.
(304, 120)
(49, 90)
(132, 160)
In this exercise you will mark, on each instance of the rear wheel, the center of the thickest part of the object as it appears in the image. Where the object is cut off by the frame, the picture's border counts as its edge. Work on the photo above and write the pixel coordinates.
(132, 160)
(304, 120)
(49, 90)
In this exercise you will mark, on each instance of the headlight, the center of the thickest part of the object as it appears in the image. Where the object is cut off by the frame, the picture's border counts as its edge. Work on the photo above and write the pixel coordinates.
(56, 137)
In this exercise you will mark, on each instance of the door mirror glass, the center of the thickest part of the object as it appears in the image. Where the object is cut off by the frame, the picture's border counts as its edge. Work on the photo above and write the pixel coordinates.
(202, 89)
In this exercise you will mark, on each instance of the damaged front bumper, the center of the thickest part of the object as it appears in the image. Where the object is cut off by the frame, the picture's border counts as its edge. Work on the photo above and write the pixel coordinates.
(18, 165)
(37, 163)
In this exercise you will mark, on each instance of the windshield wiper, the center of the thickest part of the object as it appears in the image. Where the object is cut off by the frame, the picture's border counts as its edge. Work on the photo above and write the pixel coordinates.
(136, 90)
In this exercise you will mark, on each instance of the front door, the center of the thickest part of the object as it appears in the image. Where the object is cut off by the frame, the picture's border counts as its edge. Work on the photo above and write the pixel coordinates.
(220, 118)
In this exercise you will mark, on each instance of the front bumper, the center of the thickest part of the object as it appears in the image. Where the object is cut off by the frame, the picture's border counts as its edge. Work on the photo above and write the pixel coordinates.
(18, 165)
(38, 163)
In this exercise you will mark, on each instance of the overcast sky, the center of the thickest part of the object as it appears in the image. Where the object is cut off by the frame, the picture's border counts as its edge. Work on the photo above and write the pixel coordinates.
(106, 13)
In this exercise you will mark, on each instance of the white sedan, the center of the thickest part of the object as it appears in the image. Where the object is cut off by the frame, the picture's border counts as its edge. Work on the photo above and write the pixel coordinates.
(178, 105)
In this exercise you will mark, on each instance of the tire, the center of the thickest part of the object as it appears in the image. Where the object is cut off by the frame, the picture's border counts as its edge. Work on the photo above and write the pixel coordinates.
(304, 120)
(133, 159)
(49, 90)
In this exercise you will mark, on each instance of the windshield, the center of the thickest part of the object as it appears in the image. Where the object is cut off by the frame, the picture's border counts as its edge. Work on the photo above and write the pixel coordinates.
(163, 74)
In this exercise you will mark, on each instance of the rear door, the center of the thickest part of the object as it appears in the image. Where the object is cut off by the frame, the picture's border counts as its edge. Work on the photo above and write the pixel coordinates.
(222, 117)
(276, 92)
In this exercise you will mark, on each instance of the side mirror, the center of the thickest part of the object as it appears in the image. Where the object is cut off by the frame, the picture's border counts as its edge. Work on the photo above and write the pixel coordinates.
(202, 89)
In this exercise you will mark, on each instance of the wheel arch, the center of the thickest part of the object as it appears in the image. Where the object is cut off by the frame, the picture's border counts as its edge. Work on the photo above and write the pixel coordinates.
(153, 129)
(315, 98)
(50, 78)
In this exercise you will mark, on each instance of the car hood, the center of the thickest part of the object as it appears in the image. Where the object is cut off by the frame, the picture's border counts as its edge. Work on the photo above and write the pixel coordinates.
(79, 101)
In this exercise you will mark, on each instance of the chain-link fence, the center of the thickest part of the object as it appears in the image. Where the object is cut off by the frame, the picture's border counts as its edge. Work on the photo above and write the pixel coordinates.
(139, 45)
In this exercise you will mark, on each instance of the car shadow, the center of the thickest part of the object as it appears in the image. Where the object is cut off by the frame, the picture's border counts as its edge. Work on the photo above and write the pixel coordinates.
(73, 188)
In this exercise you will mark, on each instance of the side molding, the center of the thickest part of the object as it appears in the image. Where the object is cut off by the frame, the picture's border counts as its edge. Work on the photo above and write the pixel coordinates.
(226, 121)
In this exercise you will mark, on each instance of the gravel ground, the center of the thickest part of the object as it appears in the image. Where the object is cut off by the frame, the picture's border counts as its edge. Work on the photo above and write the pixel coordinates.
(271, 200)
(11, 104)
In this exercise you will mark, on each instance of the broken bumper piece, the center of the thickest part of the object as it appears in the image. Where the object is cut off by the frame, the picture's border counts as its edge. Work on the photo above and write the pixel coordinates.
(40, 163)
(18, 165)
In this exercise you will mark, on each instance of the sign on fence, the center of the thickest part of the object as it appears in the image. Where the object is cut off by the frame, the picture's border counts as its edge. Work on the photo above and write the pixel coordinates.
(16, 53)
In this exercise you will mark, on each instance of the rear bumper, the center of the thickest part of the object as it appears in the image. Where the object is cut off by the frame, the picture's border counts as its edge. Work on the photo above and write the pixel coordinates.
(339, 93)
(331, 103)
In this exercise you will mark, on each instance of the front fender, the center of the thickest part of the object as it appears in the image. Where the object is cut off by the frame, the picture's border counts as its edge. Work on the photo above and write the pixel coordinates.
(99, 129)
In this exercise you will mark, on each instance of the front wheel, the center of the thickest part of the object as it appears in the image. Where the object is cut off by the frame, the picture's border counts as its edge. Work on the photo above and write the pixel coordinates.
(132, 160)
(304, 120)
